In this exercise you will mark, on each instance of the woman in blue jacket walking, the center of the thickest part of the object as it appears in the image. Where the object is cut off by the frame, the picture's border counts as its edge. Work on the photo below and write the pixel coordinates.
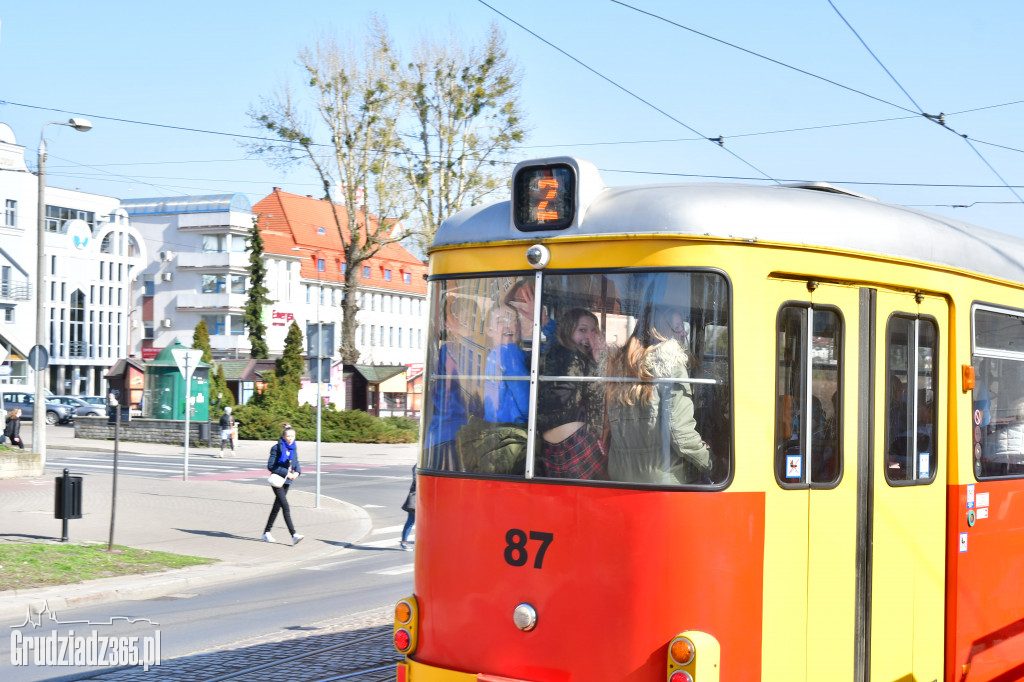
(284, 461)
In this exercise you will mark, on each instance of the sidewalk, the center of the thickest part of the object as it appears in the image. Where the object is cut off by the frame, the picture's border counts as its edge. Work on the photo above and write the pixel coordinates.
(208, 516)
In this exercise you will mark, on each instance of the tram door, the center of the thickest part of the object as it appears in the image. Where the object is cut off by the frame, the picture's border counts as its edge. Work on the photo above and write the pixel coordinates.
(906, 560)
(816, 464)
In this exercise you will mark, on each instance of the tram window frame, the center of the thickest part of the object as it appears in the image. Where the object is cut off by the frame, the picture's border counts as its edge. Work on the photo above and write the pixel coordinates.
(996, 396)
(912, 406)
(783, 413)
(716, 330)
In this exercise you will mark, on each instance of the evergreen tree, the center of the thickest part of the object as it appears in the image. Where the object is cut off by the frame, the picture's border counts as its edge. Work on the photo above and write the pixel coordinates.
(258, 299)
(218, 385)
(201, 340)
(288, 369)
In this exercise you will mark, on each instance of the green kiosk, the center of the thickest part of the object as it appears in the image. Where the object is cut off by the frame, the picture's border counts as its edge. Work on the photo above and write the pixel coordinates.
(167, 387)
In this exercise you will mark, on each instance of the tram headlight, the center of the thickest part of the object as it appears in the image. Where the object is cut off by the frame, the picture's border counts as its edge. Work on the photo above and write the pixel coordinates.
(538, 256)
(406, 629)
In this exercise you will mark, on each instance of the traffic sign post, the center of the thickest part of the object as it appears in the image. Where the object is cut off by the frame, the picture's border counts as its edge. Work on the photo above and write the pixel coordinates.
(188, 360)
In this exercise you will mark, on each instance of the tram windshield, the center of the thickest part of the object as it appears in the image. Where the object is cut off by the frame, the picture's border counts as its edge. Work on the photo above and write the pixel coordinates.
(632, 369)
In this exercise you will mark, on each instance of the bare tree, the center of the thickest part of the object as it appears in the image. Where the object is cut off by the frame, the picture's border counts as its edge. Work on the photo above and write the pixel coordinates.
(466, 117)
(352, 144)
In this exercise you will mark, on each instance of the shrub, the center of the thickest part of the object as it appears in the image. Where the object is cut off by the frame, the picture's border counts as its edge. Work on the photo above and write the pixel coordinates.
(264, 422)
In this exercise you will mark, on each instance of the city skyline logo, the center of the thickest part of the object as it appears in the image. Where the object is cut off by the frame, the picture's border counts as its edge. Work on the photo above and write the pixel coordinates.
(61, 647)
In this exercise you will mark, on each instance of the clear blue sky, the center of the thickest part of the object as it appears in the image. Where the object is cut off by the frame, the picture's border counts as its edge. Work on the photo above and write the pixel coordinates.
(203, 65)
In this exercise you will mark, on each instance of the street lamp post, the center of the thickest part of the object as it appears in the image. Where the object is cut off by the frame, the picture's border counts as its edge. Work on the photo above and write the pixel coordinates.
(39, 402)
(318, 363)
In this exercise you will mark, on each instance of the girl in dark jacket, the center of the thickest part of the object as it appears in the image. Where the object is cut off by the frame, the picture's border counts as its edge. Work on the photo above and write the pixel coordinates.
(13, 428)
(284, 461)
(570, 414)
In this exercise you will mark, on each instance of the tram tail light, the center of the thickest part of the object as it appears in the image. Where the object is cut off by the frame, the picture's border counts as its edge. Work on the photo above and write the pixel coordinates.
(406, 628)
(693, 656)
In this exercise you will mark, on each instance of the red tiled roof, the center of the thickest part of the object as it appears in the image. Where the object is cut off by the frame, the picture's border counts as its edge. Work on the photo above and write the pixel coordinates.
(289, 220)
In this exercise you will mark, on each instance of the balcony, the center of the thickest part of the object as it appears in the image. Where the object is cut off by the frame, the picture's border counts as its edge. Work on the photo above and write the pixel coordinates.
(229, 342)
(219, 260)
(210, 302)
(11, 291)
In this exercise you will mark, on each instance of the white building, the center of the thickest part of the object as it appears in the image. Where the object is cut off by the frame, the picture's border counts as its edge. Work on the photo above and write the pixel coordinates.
(199, 270)
(92, 254)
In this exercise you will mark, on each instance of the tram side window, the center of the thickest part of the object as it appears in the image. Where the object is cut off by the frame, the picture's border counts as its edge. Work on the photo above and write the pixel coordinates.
(634, 379)
(808, 397)
(998, 396)
(633, 382)
(911, 388)
(476, 422)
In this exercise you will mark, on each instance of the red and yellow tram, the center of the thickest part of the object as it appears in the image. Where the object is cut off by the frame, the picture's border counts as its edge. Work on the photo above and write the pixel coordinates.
(801, 413)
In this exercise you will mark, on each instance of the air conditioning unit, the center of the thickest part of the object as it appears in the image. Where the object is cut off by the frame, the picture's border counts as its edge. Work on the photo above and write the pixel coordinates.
(165, 323)
(167, 276)
(166, 255)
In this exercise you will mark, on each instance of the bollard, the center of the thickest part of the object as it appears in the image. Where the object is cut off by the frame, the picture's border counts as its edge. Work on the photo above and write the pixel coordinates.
(67, 501)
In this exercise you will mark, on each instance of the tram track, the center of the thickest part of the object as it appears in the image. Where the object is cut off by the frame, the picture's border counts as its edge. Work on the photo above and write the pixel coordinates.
(369, 658)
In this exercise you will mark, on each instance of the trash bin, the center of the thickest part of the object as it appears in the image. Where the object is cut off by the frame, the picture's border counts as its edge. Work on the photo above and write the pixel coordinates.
(204, 433)
(67, 499)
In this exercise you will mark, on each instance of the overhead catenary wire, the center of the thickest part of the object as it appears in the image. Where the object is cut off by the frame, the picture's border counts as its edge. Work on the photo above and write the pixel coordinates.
(716, 140)
(940, 119)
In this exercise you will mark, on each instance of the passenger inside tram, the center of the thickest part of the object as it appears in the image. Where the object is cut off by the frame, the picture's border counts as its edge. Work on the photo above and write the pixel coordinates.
(496, 444)
(506, 388)
(570, 413)
(653, 431)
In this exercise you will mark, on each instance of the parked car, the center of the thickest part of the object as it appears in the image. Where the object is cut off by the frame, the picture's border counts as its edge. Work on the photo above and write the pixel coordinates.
(100, 400)
(56, 413)
(80, 406)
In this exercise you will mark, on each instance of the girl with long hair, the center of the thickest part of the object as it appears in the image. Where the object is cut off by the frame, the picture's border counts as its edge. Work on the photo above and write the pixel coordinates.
(654, 435)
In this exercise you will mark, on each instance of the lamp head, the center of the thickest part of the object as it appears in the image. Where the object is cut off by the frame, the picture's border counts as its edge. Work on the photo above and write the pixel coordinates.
(80, 124)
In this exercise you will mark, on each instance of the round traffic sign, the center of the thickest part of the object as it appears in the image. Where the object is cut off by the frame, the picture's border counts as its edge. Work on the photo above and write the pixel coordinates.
(38, 358)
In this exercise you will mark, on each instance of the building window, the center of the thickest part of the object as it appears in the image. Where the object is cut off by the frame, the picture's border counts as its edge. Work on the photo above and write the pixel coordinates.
(107, 245)
(147, 329)
(213, 243)
(11, 213)
(387, 275)
(237, 325)
(407, 277)
(391, 336)
(76, 325)
(214, 284)
(9, 314)
(366, 272)
(148, 285)
(214, 323)
(321, 264)
(344, 267)
(238, 244)
(308, 298)
(399, 337)
(238, 284)
(57, 216)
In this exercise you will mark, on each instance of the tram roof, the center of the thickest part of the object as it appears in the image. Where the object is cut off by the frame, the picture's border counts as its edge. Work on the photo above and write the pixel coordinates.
(779, 214)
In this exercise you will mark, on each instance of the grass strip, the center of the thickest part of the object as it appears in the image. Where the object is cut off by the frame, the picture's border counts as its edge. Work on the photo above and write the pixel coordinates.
(24, 565)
